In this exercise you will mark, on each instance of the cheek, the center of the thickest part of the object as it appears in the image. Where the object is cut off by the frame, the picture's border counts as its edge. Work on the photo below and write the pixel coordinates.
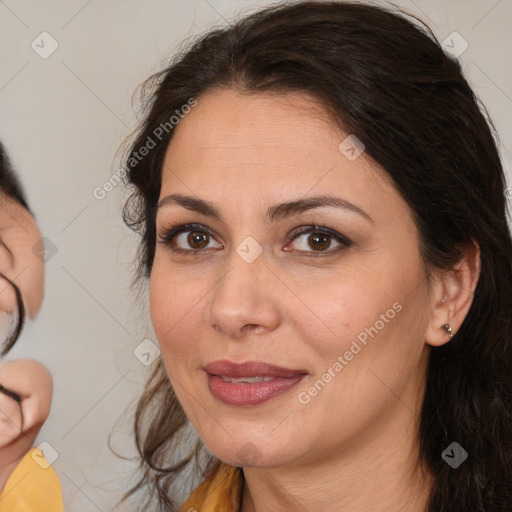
(333, 311)
(373, 317)
(175, 309)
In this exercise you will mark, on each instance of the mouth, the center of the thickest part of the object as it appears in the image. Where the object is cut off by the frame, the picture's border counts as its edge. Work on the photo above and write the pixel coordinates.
(250, 383)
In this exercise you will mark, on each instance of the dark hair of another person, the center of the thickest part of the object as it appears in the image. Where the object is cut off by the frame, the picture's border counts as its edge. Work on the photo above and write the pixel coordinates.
(11, 187)
(386, 79)
(9, 181)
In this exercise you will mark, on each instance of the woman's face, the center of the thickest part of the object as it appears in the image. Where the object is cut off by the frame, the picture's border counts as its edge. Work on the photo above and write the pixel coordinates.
(20, 258)
(343, 305)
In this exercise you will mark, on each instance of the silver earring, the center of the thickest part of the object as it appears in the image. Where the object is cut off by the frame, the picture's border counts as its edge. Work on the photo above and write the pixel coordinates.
(448, 329)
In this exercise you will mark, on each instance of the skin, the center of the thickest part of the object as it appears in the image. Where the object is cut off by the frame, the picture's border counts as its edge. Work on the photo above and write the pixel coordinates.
(33, 383)
(354, 445)
(10, 419)
(19, 234)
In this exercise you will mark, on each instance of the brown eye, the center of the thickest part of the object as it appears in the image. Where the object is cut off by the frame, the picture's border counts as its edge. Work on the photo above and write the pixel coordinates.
(315, 242)
(192, 238)
(197, 240)
(317, 239)
(319, 242)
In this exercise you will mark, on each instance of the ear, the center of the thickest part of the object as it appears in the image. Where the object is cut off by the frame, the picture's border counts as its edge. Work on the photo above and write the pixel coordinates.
(451, 293)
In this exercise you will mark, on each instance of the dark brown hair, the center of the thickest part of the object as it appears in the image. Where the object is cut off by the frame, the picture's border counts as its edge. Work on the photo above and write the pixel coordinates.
(9, 182)
(385, 78)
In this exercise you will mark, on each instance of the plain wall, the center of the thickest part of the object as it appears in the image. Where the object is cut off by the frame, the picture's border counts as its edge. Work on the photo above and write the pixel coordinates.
(62, 119)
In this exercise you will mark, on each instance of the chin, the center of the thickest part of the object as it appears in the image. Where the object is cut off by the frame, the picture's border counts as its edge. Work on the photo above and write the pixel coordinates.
(248, 452)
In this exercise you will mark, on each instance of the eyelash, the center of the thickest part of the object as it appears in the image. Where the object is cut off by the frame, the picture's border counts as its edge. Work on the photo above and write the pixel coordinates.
(168, 237)
(171, 233)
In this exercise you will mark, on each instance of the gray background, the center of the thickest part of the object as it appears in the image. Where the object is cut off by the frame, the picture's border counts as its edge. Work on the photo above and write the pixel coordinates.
(62, 120)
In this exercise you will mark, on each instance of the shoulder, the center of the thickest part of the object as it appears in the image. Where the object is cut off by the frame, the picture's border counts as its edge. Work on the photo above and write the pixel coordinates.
(33, 485)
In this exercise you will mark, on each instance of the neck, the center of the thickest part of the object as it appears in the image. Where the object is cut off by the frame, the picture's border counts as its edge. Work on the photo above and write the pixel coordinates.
(380, 475)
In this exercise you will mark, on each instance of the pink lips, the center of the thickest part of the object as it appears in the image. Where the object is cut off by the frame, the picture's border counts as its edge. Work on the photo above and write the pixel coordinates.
(278, 380)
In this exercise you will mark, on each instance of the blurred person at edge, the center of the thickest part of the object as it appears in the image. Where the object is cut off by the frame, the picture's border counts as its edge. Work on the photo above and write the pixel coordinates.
(27, 483)
(335, 168)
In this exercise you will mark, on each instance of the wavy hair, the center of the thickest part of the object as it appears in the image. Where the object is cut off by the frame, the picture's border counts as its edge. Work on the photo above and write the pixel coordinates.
(384, 77)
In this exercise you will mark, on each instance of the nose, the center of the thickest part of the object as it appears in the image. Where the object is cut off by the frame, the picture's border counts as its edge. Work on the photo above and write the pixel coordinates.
(246, 299)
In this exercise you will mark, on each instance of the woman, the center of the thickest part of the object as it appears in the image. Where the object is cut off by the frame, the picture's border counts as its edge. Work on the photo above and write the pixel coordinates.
(323, 225)
(21, 268)
(27, 482)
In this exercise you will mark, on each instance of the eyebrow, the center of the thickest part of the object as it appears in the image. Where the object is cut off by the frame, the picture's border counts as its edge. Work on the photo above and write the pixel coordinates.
(274, 213)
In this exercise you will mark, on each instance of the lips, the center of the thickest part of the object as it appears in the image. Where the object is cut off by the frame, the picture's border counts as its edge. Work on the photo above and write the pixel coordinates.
(250, 383)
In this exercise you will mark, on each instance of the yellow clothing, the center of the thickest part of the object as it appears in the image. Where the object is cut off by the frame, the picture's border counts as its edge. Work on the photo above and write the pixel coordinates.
(221, 491)
(30, 488)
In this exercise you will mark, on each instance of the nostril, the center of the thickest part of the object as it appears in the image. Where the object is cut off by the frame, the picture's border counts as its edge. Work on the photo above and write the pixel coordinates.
(254, 328)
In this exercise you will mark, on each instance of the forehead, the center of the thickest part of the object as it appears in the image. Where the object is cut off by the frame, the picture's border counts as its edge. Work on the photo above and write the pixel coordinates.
(227, 125)
(270, 146)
